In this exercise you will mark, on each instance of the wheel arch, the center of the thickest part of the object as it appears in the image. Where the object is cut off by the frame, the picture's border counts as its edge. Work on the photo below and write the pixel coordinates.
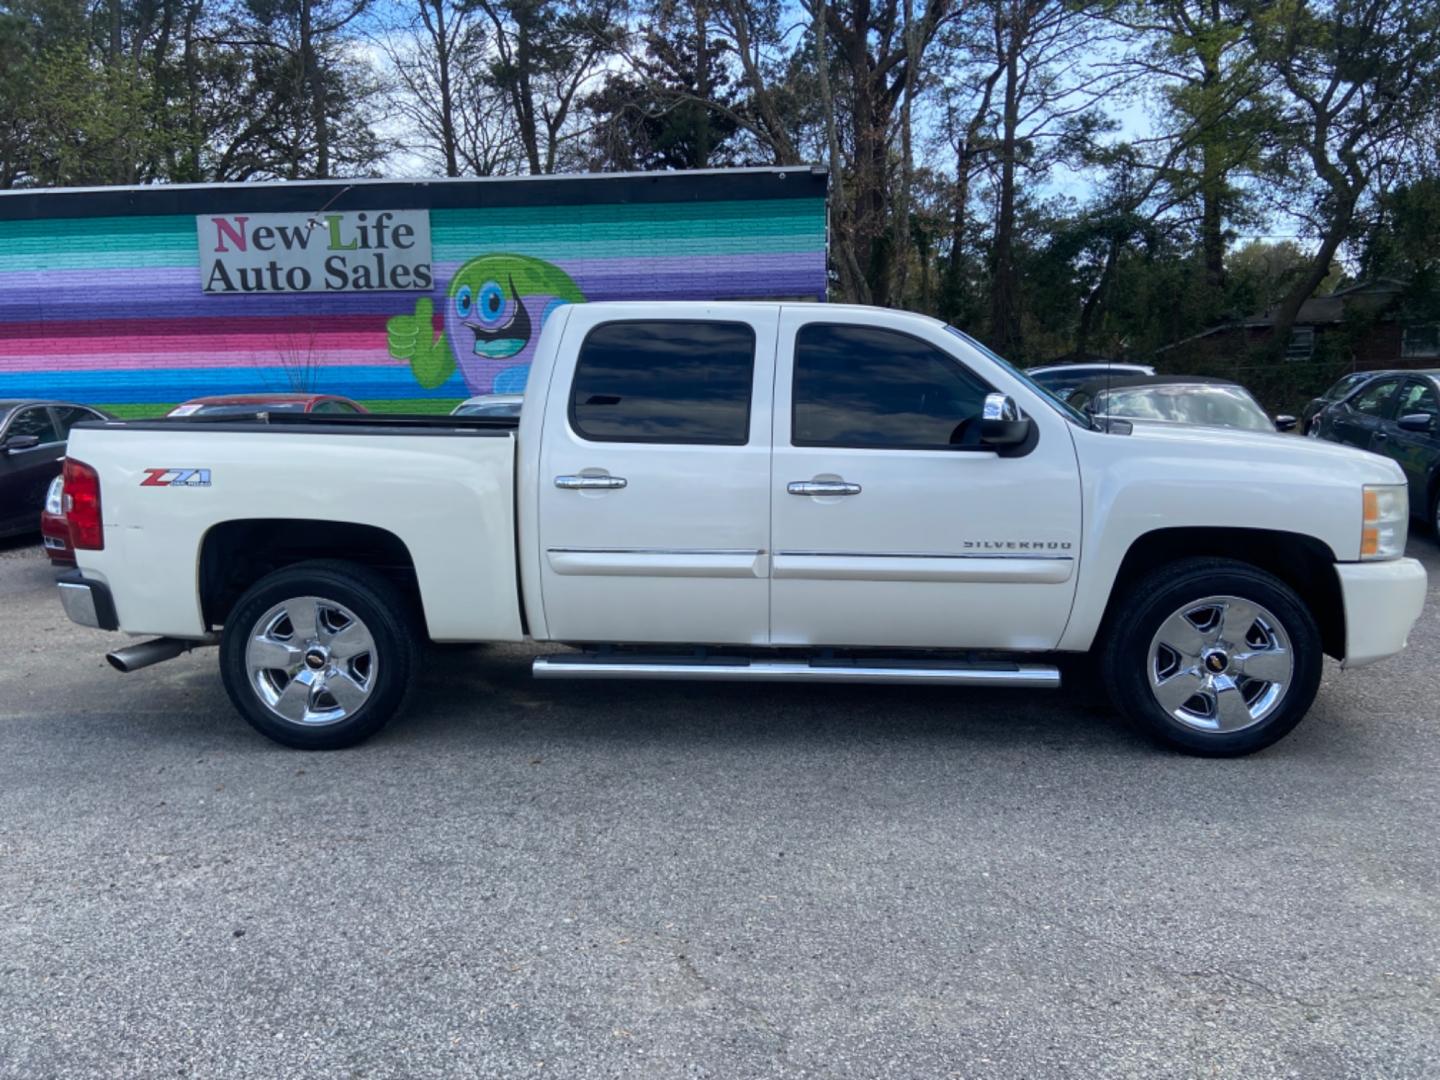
(1303, 562)
(235, 554)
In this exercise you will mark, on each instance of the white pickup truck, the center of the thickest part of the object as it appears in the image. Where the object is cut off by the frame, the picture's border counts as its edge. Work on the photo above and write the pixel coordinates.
(796, 492)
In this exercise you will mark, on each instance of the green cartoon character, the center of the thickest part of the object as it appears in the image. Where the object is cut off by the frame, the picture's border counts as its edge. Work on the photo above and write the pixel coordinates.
(494, 309)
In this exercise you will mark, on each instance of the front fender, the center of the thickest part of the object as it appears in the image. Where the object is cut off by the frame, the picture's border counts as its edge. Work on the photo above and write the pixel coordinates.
(1213, 479)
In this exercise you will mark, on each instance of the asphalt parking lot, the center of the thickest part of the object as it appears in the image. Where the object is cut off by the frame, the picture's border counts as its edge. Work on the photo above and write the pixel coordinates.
(661, 880)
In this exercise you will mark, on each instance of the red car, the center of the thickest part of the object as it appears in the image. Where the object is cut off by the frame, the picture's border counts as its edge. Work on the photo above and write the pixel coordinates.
(54, 531)
(250, 404)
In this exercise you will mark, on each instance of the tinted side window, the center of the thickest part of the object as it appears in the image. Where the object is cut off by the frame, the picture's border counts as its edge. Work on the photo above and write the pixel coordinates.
(1345, 385)
(1374, 398)
(71, 416)
(35, 421)
(663, 381)
(1418, 397)
(860, 386)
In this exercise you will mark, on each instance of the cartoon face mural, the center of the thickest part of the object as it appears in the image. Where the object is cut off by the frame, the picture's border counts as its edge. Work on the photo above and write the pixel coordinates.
(495, 306)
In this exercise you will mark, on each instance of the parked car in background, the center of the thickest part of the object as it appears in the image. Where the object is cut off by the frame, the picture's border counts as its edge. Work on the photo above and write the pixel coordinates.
(1177, 399)
(1063, 379)
(1341, 389)
(249, 404)
(54, 530)
(32, 446)
(490, 405)
(1396, 414)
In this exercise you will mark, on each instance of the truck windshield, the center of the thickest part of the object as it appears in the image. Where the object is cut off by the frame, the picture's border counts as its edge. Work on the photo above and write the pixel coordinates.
(1064, 408)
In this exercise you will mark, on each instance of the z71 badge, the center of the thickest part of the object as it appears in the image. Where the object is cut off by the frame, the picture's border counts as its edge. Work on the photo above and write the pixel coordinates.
(176, 478)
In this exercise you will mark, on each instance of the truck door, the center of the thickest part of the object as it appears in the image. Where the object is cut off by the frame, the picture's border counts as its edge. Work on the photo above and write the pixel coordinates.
(654, 478)
(891, 526)
(1356, 420)
(1415, 451)
(26, 472)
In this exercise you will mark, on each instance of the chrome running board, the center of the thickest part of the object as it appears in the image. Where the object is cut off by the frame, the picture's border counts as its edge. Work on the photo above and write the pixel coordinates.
(742, 669)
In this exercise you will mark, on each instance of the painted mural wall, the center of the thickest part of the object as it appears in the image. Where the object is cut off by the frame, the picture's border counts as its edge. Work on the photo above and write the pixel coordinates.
(110, 308)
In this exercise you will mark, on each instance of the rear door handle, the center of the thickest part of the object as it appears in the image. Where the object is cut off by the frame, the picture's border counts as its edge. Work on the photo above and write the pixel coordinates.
(822, 487)
(590, 483)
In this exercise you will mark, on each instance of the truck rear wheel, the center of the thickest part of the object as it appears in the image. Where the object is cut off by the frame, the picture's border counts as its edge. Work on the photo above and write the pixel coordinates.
(320, 655)
(1213, 657)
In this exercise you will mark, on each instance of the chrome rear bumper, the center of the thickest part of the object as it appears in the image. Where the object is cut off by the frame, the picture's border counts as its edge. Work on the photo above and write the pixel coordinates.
(87, 603)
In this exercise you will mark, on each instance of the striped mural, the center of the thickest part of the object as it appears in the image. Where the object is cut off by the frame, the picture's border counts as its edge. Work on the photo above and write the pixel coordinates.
(108, 309)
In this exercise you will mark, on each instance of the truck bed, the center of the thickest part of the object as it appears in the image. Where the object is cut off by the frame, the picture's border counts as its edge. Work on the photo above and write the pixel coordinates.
(442, 486)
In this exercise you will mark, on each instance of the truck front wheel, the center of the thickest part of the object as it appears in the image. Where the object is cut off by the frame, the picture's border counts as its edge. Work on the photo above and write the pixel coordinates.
(1213, 657)
(319, 655)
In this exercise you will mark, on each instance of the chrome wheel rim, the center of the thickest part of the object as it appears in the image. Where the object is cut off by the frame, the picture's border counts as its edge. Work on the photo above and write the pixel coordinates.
(311, 661)
(1220, 664)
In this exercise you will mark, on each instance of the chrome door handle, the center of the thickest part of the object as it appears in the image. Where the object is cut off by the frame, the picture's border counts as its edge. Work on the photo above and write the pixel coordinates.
(822, 487)
(590, 483)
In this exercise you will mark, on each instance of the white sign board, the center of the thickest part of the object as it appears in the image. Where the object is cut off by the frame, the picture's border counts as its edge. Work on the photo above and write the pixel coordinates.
(334, 251)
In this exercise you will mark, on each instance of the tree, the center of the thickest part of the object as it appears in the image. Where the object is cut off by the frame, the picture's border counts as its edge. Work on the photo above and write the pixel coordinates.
(675, 106)
(864, 53)
(1361, 77)
(1039, 97)
(439, 59)
(306, 91)
(1214, 104)
(546, 53)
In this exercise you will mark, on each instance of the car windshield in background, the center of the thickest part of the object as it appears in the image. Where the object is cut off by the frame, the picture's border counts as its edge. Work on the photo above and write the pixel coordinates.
(1063, 407)
(248, 410)
(490, 408)
(1210, 406)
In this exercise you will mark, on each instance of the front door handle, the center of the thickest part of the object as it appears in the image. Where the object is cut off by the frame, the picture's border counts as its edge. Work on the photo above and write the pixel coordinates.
(590, 483)
(822, 487)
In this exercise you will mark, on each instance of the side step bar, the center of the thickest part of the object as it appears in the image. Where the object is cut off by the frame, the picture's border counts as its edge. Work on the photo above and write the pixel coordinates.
(740, 669)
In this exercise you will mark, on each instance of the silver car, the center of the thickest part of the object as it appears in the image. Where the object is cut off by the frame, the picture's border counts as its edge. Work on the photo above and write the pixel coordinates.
(490, 405)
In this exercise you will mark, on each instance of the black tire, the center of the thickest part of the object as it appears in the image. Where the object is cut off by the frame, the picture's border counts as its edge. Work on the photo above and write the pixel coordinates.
(387, 616)
(1149, 602)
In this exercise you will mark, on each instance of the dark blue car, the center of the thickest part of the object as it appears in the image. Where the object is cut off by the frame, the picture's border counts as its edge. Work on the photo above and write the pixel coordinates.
(1396, 414)
(32, 446)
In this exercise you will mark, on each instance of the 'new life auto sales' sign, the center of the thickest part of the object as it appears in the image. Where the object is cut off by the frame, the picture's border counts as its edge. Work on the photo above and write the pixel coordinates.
(334, 251)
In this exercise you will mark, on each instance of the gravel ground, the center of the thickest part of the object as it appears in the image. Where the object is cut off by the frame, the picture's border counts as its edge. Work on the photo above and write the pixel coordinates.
(661, 880)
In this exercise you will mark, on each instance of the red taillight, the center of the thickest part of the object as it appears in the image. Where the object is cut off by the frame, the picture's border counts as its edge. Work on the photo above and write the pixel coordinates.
(82, 506)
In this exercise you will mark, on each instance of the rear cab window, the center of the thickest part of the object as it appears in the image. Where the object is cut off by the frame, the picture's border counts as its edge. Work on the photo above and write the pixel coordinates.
(664, 381)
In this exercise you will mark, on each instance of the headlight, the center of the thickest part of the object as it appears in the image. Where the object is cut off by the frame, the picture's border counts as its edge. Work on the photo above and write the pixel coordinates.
(1386, 521)
(54, 498)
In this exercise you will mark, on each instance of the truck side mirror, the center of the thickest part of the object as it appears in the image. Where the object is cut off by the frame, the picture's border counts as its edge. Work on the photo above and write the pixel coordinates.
(1285, 422)
(20, 442)
(1418, 422)
(1002, 424)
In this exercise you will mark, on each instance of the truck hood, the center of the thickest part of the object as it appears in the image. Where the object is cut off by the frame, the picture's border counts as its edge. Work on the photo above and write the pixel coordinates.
(1346, 464)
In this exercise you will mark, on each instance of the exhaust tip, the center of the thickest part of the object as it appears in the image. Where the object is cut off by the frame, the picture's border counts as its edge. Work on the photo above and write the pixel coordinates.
(134, 657)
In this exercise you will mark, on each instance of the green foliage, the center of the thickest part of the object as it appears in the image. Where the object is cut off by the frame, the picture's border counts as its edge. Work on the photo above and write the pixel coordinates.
(988, 160)
(140, 91)
(676, 108)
